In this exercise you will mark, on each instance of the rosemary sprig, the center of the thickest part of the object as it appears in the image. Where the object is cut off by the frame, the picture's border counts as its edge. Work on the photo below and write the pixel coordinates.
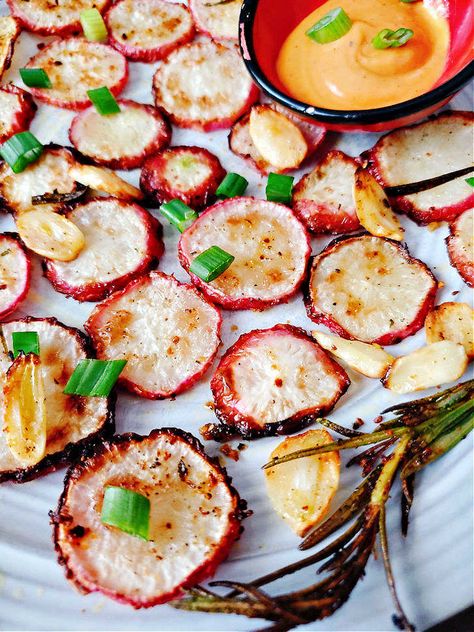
(419, 433)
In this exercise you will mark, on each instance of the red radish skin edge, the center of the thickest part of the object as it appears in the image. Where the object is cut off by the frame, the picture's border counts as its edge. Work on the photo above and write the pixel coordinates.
(16, 242)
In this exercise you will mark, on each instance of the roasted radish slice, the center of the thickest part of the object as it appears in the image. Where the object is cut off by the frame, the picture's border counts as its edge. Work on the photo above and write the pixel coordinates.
(15, 273)
(461, 246)
(204, 85)
(270, 246)
(17, 110)
(370, 289)
(121, 141)
(75, 66)
(9, 31)
(52, 18)
(166, 330)
(50, 235)
(148, 30)
(433, 365)
(424, 151)
(275, 381)
(122, 241)
(71, 420)
(324, 199)
(301, 490)
(373, 208)
(194, 517)
(47, 175)
(240, 141)
(191, 174)
(370, 360)
(452, 321)
(218, 19)
(105, 181)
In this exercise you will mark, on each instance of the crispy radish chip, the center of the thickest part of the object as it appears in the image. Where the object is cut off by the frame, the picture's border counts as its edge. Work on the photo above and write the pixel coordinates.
(195, 517)
(17, 110)
(15, 273)
(49, 174)
(218, 19)
(270, 246)
(383, 298)
(241, 143)
(122, 241)
(121, 141)
(274, 381)
(9, 31)
(324, 199)
(148, 30)
(437, 146)
(452, 321)
(166, 330)
(461, 245)
(45, 17)
(191, 174)
(75, 66)
(72, 421)
(204, 85)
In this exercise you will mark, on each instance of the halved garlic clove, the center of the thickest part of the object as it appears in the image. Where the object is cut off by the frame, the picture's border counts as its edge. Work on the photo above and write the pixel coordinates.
(452, 321)
(50, 235)
(106, 181)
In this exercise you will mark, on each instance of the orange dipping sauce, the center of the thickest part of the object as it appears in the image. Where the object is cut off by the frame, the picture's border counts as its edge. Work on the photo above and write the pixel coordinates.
(349, 73)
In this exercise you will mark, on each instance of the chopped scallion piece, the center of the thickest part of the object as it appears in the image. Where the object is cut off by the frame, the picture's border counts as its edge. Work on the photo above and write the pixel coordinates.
(279, 188)
(93, 25)
(211, 263)
(127, 510)
(331, 27)
(392, 39)
(21, 150)
(35, 78)
(104, 101)
(233, 185)
(470, 181)
(25, 342)
(94, 378)
(179, 214)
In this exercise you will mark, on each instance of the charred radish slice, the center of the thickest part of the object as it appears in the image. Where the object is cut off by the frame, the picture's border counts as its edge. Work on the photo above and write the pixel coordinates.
(166, 330)
(204, 85)
(52, 18)
(275, 381)
(121, 141)
(105, 181)
(122, 241)
(219, 20)
(461, 246)
(301, 490)
(50, 235)
(195, 516)
(47, 175)
(17, 110)
(148, 30)
(9, 31)
(433, 365)
(370, 360)
(191, 174)
(270, 246)
(427, 150)
(370, 289)
(452, 321)
(15, 273)
(71, 420)
(324, 199)
(75, 66)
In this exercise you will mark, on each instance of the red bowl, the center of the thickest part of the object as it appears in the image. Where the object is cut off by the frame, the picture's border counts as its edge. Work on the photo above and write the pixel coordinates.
(265, 24)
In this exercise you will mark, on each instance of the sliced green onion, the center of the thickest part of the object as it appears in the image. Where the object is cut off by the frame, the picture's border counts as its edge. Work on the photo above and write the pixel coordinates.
(179, 214)
(104, 101)
(331, 27)
(470, 181)
(93, 25)
(392, 39)
(21, 150)
(211, 263)
(127, 510)
(25, 342)
(279, 188)
(231, 186)
(94, 378)
(35, 78)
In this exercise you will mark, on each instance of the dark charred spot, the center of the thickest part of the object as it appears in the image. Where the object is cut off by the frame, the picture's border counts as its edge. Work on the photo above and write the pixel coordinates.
(75, 404)
(182, 470)
(78, 531)
(228, 451)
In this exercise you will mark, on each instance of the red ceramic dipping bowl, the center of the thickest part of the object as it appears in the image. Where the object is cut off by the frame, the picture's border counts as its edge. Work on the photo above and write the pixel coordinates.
(265, 24)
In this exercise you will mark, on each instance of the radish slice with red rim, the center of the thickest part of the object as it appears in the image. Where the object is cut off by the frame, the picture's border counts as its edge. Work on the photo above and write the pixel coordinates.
(461, 245)
(17, 110)
(15, 273)
(219, 20)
